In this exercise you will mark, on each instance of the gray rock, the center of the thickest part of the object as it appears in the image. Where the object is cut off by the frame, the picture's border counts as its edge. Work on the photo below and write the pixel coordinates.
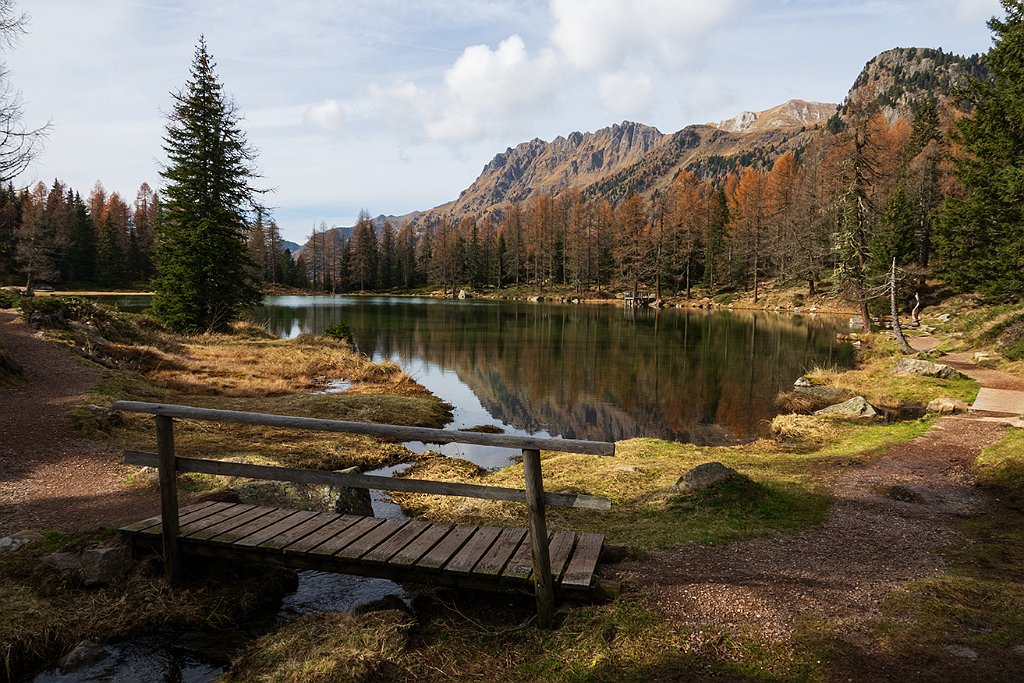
(626, 468)
(962, 652)
(1018, 650)
(856, 323)
(101, 566)
(705, 476)
(463, 294)
(856, 407)
(62, 562)
(924, 368)
(84, 655)
(15, 542)
(947, 406)
(352, 500)
(803, 383)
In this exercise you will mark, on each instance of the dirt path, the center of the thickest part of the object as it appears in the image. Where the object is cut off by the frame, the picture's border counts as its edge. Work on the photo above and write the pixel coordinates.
(50, 478)
(886, 525)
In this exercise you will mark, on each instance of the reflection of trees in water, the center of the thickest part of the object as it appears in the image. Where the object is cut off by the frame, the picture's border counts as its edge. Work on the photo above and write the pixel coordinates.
(597, 372)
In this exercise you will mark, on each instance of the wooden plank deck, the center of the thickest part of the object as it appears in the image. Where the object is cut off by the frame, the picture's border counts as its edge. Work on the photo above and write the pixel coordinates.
(483, 558)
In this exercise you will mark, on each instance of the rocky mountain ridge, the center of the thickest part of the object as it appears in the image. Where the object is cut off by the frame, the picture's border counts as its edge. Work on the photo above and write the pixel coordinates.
(630, 157)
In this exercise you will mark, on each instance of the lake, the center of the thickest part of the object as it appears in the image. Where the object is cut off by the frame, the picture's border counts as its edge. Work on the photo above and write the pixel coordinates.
(583, 371)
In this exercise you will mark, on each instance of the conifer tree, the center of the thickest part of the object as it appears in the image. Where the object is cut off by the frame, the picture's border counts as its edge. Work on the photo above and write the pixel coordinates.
(981, 242)
(204, 275)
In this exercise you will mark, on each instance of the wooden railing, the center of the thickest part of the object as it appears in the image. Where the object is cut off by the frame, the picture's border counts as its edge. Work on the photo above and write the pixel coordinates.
(169, 464)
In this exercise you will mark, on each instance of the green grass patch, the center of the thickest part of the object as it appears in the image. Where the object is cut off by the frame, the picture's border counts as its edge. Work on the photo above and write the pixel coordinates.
(787, 488)
(1001, 466)
(873, 381)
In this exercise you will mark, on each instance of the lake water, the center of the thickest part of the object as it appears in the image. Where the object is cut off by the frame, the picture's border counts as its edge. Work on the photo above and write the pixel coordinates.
(583, 372)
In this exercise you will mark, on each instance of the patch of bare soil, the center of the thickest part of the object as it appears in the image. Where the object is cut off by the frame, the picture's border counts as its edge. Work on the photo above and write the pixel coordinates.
(986, 377)
(50, 477)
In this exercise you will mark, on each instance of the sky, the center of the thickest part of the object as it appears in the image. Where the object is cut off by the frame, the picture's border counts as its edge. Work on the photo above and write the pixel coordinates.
(394, 106)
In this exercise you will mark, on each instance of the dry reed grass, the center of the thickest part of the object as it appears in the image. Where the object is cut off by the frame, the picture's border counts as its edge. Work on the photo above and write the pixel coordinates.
(45, 613)
(328, 647)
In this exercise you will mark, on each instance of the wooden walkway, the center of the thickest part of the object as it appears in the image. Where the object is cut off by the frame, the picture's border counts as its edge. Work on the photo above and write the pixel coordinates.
(478, 557)
(999, 401)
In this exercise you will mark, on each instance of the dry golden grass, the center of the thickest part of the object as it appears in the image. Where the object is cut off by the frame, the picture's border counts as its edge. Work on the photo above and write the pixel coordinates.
(328, 647)
(807, 431)
(250, 365)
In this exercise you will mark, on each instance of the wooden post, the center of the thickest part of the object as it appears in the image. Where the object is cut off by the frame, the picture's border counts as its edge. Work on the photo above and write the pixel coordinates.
(168, 474)
(543, 582)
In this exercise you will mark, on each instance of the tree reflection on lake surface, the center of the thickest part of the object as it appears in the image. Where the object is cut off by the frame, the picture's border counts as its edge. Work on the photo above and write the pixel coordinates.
(584, 372)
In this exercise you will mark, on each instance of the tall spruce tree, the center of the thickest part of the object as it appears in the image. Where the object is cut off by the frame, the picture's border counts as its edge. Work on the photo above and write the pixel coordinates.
(204, 274)
(981, 238)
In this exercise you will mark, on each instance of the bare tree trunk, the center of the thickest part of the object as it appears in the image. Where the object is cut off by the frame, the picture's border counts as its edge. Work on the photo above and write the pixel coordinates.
(896, 328)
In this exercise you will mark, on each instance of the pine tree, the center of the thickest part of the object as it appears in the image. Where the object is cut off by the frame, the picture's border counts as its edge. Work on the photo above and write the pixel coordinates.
(204, 279)
(981, 238)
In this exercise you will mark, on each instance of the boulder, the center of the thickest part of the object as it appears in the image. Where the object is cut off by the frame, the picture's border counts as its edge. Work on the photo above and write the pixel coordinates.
(96, 567)
(856, 407)
(705, 476)
(463, 294)
(101, 566)
(62, 562)
(947, 406)
(924, 368)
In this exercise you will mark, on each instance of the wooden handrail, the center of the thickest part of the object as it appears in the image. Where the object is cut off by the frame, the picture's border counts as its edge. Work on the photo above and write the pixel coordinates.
(534, 496)
(365, 481)
(398, 432)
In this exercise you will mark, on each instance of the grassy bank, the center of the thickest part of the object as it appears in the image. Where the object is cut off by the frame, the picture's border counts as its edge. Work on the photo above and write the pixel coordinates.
(247, 370)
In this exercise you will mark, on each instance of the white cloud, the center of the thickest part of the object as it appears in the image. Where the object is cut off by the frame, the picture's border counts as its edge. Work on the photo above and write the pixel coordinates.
(625, 93)
(326, 115)
(602, 33)
(484, 86)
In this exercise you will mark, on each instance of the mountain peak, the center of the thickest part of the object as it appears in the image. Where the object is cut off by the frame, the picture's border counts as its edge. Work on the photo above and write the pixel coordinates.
(791, 114)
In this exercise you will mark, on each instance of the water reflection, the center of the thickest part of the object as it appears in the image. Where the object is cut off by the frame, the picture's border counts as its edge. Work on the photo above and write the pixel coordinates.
(585, 372)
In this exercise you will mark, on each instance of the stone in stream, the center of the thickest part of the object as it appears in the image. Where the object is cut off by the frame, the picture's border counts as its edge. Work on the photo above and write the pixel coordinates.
(924, 368)
(856, 407)
(84, 655)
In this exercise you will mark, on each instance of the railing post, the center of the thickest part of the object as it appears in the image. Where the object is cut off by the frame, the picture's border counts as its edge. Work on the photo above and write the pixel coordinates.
(543, 582)
(168, 474)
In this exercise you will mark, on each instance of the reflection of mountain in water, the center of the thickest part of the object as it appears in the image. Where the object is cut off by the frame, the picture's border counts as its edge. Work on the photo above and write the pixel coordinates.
(596, 372)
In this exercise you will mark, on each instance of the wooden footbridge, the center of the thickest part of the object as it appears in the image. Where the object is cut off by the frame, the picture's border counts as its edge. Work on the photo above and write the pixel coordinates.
(550, 566)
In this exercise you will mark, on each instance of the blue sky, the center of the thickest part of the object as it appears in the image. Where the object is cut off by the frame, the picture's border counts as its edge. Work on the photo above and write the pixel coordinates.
(393, 106)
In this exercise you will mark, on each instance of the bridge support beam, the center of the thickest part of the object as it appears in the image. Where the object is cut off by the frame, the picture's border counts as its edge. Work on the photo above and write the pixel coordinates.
(543, 582)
